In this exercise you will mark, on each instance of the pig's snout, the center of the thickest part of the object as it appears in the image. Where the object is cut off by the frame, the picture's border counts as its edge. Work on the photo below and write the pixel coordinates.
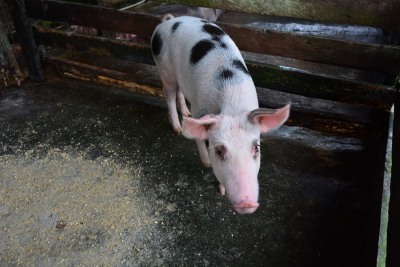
(246, 207)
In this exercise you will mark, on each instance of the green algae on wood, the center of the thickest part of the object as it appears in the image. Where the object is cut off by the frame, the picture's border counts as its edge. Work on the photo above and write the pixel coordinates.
(317, 86)
(264, 75)
(369, 12)
(380, 58)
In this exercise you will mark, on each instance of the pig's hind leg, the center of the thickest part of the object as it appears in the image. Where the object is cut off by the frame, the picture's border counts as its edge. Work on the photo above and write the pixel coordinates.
(182, 103)
(170, 88)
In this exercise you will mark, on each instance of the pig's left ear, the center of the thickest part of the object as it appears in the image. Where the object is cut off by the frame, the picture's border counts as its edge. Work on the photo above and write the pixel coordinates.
(269, 119)
(198, 128)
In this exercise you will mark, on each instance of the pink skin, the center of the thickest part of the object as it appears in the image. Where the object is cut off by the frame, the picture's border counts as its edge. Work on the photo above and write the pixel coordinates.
(234, 151)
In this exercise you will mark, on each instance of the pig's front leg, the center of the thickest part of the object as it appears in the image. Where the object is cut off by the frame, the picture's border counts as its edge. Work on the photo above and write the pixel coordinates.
(182, 103)
(205, 159)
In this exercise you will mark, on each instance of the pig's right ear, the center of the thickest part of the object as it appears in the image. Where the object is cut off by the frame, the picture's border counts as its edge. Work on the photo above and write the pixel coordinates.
(198, 128)
(269, 119)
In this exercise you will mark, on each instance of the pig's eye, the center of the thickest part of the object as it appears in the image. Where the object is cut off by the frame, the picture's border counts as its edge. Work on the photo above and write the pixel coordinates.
(256, 151)
(220, 151)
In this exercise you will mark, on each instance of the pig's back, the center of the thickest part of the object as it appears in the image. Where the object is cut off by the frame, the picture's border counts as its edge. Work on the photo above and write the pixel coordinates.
(203, 59)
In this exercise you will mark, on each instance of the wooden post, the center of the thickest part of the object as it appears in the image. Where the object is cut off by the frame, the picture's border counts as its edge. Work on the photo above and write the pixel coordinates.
(393, 241)
(8, 57)
(26, 38)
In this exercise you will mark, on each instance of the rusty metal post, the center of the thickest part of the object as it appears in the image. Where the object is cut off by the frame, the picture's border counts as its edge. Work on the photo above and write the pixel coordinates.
(26, 38)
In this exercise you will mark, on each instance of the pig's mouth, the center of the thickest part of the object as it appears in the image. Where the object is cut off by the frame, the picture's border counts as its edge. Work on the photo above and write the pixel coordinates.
(246, 207)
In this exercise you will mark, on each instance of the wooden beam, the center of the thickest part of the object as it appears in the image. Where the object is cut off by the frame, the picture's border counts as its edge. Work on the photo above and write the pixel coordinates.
(376, 13)
(323, 87)
(334, 118)
(94, 16)
(264, 75)
(88, 72)
(378, 58)
(393, 241)
(102, 46)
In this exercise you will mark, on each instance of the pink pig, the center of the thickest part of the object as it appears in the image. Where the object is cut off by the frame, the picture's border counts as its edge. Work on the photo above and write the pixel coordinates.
(196, 60)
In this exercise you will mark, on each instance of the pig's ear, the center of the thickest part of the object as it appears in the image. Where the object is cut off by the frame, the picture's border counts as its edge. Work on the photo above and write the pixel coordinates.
(198, 128)
(269, 119)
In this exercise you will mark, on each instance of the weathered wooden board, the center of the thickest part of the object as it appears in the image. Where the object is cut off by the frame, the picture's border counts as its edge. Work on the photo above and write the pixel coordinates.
(139, 81)
(264, 75)
(332, 88)
(381, 13)
(94, 16)
(379, 58)
(124, 50)
(393, 241)
(371, 57)
(321, 115)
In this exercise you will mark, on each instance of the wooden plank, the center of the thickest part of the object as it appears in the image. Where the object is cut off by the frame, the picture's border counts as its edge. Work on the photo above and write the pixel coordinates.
(334, 118)
(393, 241)
(381, 159)
(385, 171)
(26, 39)
(100, 45)
(333, 109)
(324, 87)
(379, 13)
(378, 58)
(94, 16)
(264, 75)
(103, 75)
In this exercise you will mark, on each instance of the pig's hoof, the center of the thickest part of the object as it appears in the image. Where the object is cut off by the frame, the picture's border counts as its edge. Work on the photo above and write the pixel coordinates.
(222, 190)
(178, 131)
(245, 207)
(206, 164)
(185, 112)
(177, 128)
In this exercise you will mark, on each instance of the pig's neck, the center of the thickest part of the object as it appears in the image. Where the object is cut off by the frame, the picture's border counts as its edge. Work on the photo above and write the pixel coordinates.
(239, 99)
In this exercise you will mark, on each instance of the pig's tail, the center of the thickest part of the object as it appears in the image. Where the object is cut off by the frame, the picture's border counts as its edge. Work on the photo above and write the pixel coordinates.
(167, 17)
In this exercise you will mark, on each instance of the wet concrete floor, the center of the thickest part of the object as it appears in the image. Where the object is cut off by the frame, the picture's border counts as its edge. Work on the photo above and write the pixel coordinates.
(94, 177)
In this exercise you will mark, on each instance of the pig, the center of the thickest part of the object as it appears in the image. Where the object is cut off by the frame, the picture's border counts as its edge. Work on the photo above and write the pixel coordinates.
(198, 61)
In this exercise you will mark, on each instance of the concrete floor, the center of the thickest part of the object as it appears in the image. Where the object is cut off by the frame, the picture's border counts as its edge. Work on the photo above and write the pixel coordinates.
(94, 177)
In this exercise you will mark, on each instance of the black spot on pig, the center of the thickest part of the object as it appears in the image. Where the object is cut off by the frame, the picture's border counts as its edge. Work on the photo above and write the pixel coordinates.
(205, 21)
(156, 44)
(212, 30)
(219, 41)
(239, 65)
(175, 26)
(224, 77)
(226, 74)
(200, 50)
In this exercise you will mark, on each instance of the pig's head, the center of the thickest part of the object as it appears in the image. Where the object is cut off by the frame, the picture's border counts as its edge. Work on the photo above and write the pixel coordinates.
(234, 150)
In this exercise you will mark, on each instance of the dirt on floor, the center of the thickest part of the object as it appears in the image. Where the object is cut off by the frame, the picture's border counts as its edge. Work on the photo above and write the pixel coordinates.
(95, 177)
